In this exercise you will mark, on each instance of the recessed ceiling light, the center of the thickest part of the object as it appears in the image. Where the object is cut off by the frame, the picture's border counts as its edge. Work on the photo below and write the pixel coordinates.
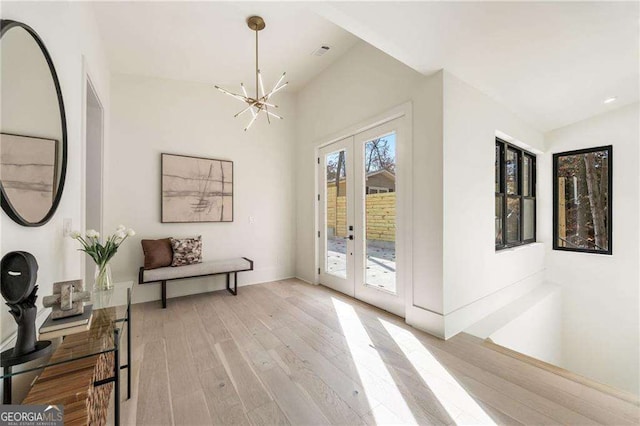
(609, 100)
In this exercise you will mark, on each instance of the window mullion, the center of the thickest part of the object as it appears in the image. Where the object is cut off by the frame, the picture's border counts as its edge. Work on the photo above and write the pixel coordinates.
(503, 183)
(521, 194)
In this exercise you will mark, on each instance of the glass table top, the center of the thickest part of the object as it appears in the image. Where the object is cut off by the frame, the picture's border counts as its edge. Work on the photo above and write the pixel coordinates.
(110, 313)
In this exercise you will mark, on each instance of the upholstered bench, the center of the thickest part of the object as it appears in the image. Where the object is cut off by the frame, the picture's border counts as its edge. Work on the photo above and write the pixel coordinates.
(227, 267)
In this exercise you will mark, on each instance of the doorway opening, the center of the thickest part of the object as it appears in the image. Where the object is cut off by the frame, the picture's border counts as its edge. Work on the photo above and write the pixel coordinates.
(94, 128)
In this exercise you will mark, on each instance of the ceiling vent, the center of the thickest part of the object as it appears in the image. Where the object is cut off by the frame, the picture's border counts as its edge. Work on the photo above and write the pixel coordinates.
(321, 51)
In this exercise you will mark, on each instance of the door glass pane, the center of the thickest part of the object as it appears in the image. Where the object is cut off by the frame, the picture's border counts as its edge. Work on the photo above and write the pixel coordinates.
(336, 214)
(498, 220)
(498, 173)
(512, 172)
(526, 176)
(513, 219)
(380, 212)
(528, 219)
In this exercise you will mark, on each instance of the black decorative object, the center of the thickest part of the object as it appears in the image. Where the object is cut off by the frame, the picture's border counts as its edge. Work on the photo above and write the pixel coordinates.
(19, 271)
(19, 191)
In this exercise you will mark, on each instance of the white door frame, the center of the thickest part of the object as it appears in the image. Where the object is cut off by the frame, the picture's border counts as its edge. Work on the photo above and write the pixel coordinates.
(404, 193)
(87, 81)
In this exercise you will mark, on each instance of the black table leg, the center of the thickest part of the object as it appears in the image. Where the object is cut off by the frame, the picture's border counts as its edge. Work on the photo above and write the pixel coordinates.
(116, 372)
(129, 366)
(6, 386)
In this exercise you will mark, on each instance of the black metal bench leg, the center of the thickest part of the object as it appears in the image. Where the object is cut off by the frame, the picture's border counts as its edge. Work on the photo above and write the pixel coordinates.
(129, 362)
(235, 290)
(164, 294)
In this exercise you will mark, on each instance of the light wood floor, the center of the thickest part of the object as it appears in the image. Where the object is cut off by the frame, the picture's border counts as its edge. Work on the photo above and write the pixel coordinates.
(291, 353)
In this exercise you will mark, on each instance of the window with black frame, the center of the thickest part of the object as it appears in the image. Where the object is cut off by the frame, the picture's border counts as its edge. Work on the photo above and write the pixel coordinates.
(515, 198)
(582, 212)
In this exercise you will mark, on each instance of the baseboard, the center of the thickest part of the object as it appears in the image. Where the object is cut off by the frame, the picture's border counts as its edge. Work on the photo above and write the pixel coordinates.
(424, 320)
(304, 280)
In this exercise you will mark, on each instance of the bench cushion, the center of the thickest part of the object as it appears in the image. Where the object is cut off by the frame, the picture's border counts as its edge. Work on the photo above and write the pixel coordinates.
(204, 268)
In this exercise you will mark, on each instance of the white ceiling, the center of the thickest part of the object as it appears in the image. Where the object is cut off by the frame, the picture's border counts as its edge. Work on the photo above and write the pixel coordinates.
(210, 41)
(553, 63)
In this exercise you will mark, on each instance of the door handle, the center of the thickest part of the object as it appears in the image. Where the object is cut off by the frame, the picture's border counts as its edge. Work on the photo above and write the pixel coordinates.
(351, 237)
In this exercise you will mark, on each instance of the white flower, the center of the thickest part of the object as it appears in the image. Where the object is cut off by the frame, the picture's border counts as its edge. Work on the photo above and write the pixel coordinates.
(75, 235)
(121, 234)
(121, 228)
(92, 233)
(131, 232)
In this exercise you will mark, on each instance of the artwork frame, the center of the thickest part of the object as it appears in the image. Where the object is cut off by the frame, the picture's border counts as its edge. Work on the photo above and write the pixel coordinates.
(608, 209)
(186, 195)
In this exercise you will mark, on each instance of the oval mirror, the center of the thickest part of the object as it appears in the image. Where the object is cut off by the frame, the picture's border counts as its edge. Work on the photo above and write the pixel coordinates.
(33, 130)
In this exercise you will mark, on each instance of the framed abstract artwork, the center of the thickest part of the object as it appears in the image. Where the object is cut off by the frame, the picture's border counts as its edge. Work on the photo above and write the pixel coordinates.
(196, 189)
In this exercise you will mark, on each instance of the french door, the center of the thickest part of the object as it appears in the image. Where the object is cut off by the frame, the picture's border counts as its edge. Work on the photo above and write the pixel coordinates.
(358, 201)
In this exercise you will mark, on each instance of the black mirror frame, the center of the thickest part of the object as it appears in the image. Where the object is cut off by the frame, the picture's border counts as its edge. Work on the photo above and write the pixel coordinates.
(6, 25)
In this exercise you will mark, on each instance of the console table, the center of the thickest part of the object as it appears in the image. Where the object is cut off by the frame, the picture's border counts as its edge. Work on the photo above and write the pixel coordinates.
(86, 365)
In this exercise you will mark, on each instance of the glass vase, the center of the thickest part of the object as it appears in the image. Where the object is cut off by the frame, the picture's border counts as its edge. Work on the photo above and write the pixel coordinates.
(102, 277)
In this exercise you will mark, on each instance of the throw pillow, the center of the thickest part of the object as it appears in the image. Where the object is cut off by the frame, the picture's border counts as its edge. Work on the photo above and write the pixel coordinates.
(157, 253)
(186, 251)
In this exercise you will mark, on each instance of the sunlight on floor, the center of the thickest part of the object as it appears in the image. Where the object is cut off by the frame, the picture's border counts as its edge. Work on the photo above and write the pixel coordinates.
(377, 389)
(458, 403)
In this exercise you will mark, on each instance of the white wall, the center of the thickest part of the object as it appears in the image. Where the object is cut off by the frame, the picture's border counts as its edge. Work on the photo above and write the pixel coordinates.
(151, 116)
(458, 281)
(69, 32)
(362, 84)
(531, 325)
(536, 331)
(601, 311)
(477, 279)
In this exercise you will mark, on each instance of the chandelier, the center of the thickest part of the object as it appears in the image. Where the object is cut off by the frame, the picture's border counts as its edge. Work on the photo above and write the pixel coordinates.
(259, 103)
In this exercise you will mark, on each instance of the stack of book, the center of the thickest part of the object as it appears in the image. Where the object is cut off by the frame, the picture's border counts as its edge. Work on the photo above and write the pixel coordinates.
(63, 326)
